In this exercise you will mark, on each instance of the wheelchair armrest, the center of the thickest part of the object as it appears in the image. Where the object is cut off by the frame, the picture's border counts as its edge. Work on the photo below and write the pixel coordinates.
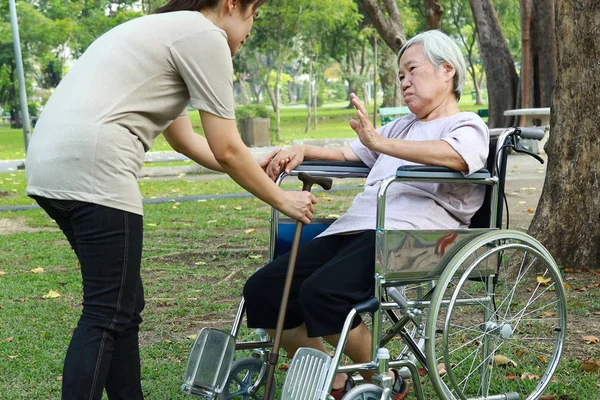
(441, 173)
(334, 167)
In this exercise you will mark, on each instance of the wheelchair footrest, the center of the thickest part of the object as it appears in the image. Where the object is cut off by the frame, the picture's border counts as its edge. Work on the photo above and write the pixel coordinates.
(305, 379)
(209, 363)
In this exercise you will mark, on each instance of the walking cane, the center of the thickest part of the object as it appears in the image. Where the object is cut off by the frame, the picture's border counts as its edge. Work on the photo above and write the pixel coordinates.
(307, 181)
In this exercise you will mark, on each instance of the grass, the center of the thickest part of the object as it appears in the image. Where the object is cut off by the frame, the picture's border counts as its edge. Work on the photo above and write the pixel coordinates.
(196, 259)
(333, 123)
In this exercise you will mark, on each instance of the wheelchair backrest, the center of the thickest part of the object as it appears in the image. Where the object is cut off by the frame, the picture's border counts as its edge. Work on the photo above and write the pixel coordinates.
(482, 217)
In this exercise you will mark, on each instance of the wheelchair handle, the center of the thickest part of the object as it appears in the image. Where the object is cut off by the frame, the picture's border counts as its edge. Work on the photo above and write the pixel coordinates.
(398, 298)
(534, 133)
(308, 181)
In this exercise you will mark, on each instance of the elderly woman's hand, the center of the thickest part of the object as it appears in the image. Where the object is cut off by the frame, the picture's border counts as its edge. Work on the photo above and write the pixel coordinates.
(363, 127)
(286, 160)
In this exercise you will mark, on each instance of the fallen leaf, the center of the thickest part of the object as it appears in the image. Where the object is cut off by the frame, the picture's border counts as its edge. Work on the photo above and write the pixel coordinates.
(596, 312)
(569, 270)
(501, 360)
(59, 378)
(590, 339)
(422, 372)
(530, 211)
(542, 359)
(255, 257)
(249, 231)
(37, 270)
(590, 365)
(520, 352)
(549, 314)
(567, 286)
(333, 216)
(441, 369)
(522, 203)
(544, 281)
(222, 207)
(511, 377)
(3, 273)
(550, 397)
(212, 221)
(531, 377)
(200, 263)
(192, 337)
(581, 289)
(11, 357)
(1, 308)
(10, 339)
(238, 208)
(51, 295)
(284, 367)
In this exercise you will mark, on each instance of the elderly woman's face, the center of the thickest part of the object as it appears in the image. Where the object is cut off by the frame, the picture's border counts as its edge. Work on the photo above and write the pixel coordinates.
(424, 86)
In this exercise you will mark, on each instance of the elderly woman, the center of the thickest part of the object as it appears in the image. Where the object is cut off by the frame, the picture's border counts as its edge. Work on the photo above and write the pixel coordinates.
(335, 270)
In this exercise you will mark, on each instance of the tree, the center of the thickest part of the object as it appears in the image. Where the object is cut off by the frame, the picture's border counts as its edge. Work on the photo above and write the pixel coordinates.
(566, 220)
(433, 12)
(387, 22)
(462, 25)
(502, 79)
(538, 63)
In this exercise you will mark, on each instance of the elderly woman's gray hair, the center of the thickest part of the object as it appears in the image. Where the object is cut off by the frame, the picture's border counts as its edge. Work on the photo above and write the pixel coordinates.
(438, 49)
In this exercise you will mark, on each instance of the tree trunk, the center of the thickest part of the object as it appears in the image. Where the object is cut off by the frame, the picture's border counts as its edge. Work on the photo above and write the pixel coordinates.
(309, 100)
(240, 84)
(389, 26)
(502, 79)
(566, 221)
(539, 54)
(433, 13)
(388, 76)
(526, 67)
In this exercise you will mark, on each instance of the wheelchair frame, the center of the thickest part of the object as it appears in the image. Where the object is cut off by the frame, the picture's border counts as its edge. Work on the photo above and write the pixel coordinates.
(468, 265)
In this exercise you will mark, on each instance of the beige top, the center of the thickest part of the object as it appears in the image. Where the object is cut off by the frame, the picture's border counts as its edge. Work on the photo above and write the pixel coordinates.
(130, 84)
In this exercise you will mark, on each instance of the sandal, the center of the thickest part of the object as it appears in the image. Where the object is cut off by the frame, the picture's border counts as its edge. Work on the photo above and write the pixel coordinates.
(401, 387)
(337, 394)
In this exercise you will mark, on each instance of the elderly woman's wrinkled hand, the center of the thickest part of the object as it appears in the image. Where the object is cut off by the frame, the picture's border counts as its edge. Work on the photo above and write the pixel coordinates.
(363, 127)
(264, 160)
(286, 160)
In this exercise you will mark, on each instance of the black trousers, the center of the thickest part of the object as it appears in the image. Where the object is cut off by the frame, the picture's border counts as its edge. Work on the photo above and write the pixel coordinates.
(332, 274)
(104, 350)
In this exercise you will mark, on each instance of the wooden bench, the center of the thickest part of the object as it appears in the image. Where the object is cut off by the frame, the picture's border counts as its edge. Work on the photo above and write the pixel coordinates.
(388, 114)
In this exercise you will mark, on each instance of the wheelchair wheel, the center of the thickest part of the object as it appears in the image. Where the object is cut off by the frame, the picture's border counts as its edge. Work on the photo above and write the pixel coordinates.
(367, 391)
(497, 321)
(243, 376)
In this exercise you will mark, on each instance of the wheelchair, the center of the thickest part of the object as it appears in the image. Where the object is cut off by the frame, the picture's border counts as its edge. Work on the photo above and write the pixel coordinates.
(481, 311)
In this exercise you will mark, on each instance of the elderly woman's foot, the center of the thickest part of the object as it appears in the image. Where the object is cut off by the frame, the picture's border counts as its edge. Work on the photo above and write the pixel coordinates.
(341, 386)
(401, 387)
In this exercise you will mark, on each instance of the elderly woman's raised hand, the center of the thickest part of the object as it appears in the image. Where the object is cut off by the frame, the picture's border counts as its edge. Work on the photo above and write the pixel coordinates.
(286, 160)
(363, 127)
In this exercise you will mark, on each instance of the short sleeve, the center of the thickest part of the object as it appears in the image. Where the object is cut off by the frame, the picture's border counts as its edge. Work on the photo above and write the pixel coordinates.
(469, 137)
(204, 62)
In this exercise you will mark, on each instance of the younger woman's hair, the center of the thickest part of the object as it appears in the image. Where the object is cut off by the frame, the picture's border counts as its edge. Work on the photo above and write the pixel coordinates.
(199, 5)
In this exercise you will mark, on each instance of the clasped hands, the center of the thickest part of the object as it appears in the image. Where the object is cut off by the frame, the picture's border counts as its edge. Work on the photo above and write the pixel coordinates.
(288, 159)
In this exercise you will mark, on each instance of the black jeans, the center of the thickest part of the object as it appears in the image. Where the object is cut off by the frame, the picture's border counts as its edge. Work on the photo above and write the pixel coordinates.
(104, 349)
(332, 274)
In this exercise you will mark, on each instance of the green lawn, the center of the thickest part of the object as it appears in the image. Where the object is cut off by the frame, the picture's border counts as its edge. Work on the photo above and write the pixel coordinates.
(332, 123)
(197, 256)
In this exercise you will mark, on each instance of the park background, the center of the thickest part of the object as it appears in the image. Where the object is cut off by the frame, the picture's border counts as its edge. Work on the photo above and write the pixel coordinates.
(297, 70)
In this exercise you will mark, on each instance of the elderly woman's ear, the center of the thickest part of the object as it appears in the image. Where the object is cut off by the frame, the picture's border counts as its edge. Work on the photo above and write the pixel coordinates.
(449, 71)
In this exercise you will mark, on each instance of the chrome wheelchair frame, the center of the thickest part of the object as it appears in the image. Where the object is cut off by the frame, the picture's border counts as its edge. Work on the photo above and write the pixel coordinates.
(482, 310)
